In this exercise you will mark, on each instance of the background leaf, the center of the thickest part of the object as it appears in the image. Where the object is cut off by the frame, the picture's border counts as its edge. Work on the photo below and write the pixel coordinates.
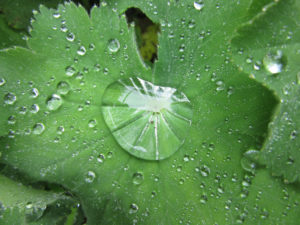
(268, 50)
(65, 72)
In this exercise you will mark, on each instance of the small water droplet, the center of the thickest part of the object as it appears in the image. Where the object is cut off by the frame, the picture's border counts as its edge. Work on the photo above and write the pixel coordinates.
(63, 88)
(60, 130)
(293, 135)
(38, 128)
(198, 5)
(97, 67)
(91, 46)
(2, 81)
(105, 71)
(257, 65)
(10, 98)
(186, 158)
(203, 199)
(56, 15)
(64, 28)
(204, 170)
(137, 178)
(113, 45)
(70, 37)
(220, 85)
(100, 158)
(90, 177)
(274, 62)
(133, 208)
(81, 50)
(29, 205)
(92, 123)
(11, 120)
(54, 102)
(192, 24)
(70, 71)
(34, 93)
(34, 108)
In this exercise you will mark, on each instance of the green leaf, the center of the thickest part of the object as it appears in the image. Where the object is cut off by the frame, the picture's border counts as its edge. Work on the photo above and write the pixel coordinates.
(19, 12)
(53, 115)
(24, 205)
(8, 36)
(268, 49)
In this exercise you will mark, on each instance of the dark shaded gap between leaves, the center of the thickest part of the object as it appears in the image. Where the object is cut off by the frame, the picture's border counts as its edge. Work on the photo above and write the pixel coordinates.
(146, 32)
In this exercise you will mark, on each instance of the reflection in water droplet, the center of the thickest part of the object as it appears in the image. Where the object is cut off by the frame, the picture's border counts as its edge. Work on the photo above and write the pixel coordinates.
(274, 62)
(38, 128)
(113, 45)
(90, 177)
(54, 102)
(10, 98)
(137, 178)
(198, 5)
(63, 88)
(142, 116)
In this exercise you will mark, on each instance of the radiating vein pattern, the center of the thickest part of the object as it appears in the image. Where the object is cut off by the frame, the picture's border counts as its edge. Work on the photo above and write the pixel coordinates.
(148, 121)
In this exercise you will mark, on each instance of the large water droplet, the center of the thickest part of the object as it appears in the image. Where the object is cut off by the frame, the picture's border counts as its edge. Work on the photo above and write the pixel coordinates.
(113, 45)
(38, 128)
(148, 121)
(10, 98)
(54, 102)
(274, 62)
